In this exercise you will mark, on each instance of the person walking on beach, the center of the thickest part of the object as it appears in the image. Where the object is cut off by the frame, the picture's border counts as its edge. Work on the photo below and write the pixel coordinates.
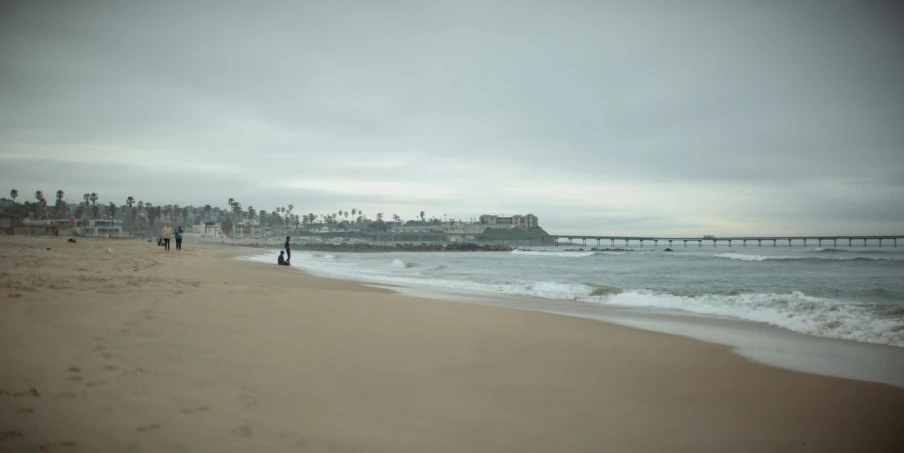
(167, 234)
(288, 251)
(178, 231)
(282, 260)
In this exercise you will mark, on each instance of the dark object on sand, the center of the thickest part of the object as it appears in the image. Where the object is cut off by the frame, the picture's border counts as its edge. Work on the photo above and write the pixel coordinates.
(668, 250)
(72, 240)
(48, 248)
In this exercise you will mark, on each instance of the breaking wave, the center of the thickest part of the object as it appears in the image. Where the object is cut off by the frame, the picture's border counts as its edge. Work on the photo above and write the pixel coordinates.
(558, 254)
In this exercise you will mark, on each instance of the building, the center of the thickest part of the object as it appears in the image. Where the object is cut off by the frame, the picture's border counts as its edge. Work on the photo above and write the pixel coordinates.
(33, 227)
(8, 224)
(98, 227)
(516, 221)
(211, 229)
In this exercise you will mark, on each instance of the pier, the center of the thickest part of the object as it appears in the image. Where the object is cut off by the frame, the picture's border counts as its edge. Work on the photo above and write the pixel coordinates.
(819, 241)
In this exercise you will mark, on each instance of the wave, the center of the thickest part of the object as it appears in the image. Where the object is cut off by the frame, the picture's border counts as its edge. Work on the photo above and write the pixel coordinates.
(796, 311)
(558, 254)
(858, 251)
(744, 257)
(401, 264)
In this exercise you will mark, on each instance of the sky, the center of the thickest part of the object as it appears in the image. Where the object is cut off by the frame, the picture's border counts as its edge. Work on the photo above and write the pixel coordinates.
(663, 117)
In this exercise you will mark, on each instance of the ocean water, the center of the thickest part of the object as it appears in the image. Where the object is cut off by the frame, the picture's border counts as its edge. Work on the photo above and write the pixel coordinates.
(845, 293)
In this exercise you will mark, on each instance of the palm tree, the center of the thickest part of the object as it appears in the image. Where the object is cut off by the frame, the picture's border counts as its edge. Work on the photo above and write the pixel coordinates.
(14, 194)
(231, 200)
(60, 194)
(95, 211)
(112, 209)
(94, 197)
(251, 213)
(207, 209)
(263, 216)
(41, 203)
(422, 216)
(354, 211)
(130, 201)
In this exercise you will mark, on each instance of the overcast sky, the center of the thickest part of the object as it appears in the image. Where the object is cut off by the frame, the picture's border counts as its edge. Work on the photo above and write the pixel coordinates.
(668, 117)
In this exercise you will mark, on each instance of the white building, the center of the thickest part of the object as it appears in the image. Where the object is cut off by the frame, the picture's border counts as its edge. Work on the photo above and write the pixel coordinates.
(99, 228)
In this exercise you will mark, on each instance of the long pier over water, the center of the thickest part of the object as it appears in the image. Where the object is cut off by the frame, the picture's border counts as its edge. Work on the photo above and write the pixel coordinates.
(819, 241)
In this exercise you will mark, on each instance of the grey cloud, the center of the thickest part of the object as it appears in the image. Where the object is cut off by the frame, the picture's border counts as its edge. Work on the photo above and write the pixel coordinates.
(698, 97)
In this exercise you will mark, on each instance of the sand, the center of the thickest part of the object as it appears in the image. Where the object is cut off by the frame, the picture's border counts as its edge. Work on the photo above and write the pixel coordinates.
(115, 345)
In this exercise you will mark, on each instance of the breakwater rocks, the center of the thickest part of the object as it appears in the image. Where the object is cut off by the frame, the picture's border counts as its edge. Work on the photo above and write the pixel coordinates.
(363, 247)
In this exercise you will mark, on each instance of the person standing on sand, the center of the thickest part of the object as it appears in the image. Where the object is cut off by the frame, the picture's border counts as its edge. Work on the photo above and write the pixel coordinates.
(167, 234)
(288, 251)
(178, 231)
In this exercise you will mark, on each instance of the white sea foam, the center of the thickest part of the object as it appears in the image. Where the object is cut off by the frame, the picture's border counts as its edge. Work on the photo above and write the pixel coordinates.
(796, 311)
(745, 257)
(401, 264)
(558, 254)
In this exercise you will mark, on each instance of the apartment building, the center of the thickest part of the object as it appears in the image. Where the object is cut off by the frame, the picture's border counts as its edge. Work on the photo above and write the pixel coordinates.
(515, 221)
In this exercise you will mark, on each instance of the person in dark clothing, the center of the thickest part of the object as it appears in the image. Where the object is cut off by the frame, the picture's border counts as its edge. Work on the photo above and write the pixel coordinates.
(178, 232)
(288, 251)
(282, 260)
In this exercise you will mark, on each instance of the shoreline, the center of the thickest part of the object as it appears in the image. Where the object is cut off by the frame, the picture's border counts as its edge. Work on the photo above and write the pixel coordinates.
(133, 349)
(756, 341)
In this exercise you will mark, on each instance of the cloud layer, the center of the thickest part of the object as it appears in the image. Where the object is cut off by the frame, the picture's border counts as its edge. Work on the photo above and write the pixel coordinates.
(722, 117)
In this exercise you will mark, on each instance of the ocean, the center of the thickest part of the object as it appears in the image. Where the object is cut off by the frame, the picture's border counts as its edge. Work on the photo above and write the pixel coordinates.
(853, 294)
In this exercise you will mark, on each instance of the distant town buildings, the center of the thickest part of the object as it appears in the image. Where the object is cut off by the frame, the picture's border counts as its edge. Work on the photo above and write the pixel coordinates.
(515, 221)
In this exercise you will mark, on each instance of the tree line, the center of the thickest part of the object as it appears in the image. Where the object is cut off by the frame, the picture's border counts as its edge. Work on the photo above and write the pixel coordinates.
(146, 216)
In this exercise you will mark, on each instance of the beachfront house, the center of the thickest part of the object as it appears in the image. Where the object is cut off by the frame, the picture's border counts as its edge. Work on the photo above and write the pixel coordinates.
(212, 229)
(8, 224)
(98, 227)
(44, 227)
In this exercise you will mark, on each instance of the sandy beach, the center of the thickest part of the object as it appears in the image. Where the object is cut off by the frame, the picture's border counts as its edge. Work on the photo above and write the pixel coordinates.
(115, 345)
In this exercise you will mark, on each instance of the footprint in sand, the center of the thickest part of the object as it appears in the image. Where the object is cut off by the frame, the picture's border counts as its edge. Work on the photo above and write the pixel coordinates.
(195, 410)
(242, 431)
(11, 434)
(110, 367)
(248, 401)
(47, 449)
(151, 427)
(95, 383)
(30, 392)
(25, 410)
